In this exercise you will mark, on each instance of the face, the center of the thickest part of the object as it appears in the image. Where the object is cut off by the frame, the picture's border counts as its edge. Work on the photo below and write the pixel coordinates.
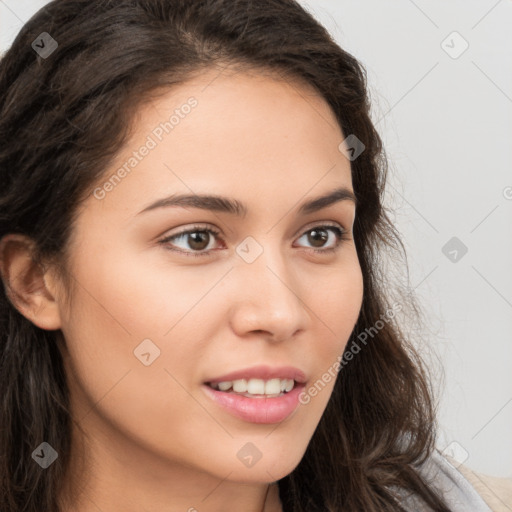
(269, 291)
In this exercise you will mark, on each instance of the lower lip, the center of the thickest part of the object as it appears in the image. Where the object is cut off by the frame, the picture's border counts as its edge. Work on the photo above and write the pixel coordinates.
(257, 410)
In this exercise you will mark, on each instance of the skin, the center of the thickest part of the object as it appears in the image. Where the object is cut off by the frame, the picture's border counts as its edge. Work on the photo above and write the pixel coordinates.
(154, 440)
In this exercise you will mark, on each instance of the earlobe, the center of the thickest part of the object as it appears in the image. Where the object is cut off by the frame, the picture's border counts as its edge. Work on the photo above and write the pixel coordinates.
(27, 284)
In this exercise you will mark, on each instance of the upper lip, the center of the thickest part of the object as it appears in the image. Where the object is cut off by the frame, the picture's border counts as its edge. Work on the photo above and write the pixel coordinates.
(262, 372)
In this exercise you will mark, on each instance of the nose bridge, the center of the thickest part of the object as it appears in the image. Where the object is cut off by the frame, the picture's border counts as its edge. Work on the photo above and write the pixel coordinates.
(266, 266)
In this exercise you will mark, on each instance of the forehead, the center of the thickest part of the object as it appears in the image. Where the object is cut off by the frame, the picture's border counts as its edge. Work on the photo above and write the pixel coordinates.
(246, 133)
(240, 103)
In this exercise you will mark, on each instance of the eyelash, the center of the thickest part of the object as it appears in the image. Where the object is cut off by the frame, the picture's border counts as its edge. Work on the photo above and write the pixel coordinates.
(341, 234)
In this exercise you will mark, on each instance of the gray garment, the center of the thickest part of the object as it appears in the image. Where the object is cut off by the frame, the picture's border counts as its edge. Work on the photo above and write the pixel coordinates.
(456, 490)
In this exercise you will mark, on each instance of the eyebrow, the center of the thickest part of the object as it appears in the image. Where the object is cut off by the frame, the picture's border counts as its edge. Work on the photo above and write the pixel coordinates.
(235, 207)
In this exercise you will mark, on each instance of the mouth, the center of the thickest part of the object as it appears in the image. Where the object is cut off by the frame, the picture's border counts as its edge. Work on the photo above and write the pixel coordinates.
(255, 388)
(259, 394)
(256, 400)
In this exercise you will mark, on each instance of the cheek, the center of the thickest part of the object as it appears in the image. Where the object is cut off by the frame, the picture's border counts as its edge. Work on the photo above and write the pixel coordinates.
(126, 308)
(335, 298)
(336, 307)
(153, 296)
(117, 306)
(124, 300)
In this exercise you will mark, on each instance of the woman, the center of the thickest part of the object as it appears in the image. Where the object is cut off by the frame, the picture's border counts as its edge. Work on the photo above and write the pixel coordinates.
(257, 365)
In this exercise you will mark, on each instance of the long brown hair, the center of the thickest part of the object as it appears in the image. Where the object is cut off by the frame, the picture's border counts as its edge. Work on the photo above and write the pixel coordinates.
(65, 115)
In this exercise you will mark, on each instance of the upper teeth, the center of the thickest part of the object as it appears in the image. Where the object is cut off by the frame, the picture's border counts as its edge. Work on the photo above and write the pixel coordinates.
(256, 386)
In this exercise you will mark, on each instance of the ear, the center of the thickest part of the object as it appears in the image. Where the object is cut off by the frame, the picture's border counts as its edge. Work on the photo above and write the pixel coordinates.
(30, 288)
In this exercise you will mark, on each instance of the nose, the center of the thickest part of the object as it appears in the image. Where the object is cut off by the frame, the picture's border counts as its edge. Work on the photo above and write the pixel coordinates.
(268, 298)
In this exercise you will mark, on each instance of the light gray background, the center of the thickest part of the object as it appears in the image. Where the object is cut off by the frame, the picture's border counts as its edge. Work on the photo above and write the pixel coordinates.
(447, 127)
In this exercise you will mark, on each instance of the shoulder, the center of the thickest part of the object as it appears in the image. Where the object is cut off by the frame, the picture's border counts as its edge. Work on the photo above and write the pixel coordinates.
(461, 488)
(464, 489)
(495, 491)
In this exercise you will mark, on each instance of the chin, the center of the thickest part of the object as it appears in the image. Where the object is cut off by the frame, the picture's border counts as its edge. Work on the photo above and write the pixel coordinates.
(271, 467)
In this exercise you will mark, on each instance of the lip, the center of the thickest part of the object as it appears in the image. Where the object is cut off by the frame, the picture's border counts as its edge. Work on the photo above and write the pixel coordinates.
(262, 372)
(258, 409)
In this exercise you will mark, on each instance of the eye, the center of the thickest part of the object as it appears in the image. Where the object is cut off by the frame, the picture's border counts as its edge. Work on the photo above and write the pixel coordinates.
(198, 237)
(194, 242)
(320, 235)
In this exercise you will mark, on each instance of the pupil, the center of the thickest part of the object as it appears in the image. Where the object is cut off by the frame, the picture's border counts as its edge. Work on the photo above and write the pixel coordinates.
(196, 238)
(319, 238)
